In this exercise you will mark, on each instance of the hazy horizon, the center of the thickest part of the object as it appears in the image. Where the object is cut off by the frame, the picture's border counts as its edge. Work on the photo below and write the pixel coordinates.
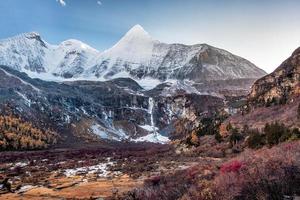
(264, 32)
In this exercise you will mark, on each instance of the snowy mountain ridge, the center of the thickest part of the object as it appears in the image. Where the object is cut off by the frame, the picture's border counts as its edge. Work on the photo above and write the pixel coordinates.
(28, 52)
(137, 55)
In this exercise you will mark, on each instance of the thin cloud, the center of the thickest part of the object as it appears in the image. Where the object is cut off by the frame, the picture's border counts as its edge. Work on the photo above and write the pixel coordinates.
(62, 2)
(99, 3)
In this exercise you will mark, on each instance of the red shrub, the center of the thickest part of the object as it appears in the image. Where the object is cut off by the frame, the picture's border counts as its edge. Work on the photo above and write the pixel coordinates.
(261, 174)
(290, 146)
(233, 166)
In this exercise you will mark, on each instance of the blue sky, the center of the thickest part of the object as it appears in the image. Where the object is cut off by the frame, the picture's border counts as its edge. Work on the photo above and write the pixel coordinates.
(263, 31)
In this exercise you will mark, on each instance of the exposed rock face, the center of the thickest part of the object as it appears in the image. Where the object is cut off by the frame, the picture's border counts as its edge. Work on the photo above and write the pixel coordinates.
(274, 97)
(115, 110)
(186, 110)
(281, 86)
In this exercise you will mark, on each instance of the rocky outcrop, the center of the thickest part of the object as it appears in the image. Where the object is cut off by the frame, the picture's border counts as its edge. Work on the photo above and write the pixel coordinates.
(275, 97)
(280, 87)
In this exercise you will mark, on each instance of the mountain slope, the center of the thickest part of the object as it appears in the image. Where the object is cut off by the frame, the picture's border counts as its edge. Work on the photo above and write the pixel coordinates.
(281, 86)
(275, 97)
(24, 52)
(91, 111)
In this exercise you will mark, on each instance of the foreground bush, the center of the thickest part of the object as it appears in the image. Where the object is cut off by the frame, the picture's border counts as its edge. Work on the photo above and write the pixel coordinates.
(165, 187)
(256, 139)
(264, 174)
(272, 134)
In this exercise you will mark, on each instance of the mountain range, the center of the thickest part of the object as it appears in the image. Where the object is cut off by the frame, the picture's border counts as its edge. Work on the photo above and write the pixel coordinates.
(138, 90)
(136, 55)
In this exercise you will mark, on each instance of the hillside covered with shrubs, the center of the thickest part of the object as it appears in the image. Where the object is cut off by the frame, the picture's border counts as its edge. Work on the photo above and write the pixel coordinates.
(16, 134)
(267, 173)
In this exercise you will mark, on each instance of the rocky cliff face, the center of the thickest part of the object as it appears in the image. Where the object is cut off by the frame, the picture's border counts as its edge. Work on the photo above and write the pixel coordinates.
(117, 110)
(280, 87)
(274, 97)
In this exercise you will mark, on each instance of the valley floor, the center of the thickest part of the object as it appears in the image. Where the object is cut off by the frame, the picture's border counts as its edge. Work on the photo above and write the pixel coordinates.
(76, 188)
(89, 173)
(210, 171)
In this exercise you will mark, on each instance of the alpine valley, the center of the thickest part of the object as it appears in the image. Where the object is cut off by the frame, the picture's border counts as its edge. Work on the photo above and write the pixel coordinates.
(135, 91)
(145, 120)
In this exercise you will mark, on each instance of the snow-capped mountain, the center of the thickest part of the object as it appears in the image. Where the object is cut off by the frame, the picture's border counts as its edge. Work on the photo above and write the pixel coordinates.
(24, 52)
(136, 55)
(29, 53)
(70, 58)
(106, 100)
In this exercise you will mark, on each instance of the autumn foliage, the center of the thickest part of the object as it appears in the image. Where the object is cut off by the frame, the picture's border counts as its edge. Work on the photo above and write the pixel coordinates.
(16, 134)
(233, 166)
(263, 174)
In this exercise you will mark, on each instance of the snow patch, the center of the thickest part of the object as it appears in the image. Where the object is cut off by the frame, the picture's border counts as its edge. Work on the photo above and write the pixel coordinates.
(27, 101)
(148, 128)
(101, 169)
(97, 131)
(26, 188)
(175, 86)
(148, 83)
(108, 134)
(19, 164)
(154, 138)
